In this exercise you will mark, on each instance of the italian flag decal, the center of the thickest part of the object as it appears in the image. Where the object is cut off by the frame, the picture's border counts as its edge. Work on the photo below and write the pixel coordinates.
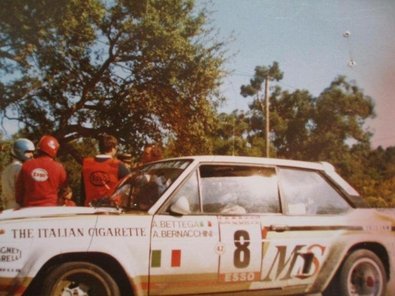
(175, 259)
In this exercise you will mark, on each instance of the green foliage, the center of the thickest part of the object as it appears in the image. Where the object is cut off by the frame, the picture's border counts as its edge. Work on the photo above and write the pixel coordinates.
(229, 137)
(340, 112)
(378, 183)
(327, 128)
(262, 73)
(150, 71)
(143, 71)
(291, 119)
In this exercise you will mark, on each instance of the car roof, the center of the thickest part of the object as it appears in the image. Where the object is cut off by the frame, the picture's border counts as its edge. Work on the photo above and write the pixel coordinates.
(322, 166)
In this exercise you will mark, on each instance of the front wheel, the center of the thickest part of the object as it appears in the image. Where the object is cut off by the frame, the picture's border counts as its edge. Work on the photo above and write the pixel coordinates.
(79, 278)
(362, 273)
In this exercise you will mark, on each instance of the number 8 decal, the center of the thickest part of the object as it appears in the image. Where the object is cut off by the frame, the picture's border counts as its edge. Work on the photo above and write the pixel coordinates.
(241, 257)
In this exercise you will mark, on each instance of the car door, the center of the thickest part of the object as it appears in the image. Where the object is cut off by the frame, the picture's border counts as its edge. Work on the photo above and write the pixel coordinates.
(265, 247)
(205, 251)
(232, 192)
(298, 241)
(184, 256)
(301, 239)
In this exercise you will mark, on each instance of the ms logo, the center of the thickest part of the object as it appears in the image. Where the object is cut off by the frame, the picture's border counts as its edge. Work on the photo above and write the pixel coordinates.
(99, 178)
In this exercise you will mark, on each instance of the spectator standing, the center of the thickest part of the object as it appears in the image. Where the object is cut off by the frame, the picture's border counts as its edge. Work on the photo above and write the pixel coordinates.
(22, 150)
(43, 178)
(100, 174)
(152, 152)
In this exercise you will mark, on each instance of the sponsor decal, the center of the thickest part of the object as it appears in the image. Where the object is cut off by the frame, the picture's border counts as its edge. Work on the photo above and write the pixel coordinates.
(78, 232)
(23, 233)
(9, 254)
(377, 227)
(9, 269)
(52, 144)
(240, 277)
(39, 175)
(238, 220)
(99, 178)
(284, 265)
(278, 262)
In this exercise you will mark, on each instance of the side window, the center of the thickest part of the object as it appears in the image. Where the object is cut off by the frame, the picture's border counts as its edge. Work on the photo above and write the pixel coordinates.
(239, 189)
(188, 191)
(308, 193)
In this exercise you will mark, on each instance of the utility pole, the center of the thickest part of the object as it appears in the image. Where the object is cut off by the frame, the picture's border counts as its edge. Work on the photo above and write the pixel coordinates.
(267, 103)
(263, 74)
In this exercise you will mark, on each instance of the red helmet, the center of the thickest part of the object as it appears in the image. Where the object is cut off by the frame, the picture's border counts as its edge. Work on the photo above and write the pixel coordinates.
(49, 145)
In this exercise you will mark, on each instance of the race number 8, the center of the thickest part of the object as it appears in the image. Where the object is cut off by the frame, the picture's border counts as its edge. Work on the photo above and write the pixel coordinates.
(241, 257)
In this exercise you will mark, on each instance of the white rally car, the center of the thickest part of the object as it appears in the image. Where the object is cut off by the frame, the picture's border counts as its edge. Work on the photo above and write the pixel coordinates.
(205, 225)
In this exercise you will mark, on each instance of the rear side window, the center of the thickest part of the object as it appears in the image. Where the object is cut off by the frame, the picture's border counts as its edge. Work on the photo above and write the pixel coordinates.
(239, 189)
(309, 193)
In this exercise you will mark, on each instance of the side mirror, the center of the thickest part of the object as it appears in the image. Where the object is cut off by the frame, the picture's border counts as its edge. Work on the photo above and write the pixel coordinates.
(180, 206)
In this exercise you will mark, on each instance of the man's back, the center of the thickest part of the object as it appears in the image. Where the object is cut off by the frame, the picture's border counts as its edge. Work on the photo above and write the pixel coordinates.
(39, 182)
(100, 176)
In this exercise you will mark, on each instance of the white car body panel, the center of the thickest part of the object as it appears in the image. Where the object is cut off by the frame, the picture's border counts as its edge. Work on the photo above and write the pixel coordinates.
(165, 254)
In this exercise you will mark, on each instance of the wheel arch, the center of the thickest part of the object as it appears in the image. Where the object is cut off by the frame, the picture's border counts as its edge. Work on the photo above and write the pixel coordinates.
(377, 249)
(105, 261)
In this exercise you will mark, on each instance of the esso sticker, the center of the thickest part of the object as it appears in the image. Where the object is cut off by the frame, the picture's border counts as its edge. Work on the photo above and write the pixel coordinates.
(40, 175)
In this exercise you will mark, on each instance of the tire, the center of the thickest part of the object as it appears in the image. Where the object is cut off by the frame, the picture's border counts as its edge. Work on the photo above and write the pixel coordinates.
(79, 278)
(362, 273)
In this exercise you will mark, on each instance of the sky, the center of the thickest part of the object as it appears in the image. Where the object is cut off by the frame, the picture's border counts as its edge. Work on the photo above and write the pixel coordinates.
(306, 38)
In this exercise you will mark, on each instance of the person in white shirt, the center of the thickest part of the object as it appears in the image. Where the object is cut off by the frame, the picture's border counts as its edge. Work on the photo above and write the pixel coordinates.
(21, 150)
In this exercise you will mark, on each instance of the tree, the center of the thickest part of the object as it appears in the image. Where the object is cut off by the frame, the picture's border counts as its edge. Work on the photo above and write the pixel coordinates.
(231, 135)
(339, 117)
(140, 70)
(378, 184)
(262, 75)
(330, 128)
(292, 122)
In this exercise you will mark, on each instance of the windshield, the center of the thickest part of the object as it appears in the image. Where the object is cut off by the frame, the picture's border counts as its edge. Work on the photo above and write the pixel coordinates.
(142, 188)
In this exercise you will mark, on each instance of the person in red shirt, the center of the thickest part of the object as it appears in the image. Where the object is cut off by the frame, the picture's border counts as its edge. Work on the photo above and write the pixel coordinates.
(42, 178)
(100, 174)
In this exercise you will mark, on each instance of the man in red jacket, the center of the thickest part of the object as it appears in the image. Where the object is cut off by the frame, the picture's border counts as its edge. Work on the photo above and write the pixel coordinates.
(101, 173)
(43, 178)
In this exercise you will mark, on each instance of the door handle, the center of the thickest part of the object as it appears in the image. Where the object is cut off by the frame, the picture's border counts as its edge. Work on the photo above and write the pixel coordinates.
(279, 228)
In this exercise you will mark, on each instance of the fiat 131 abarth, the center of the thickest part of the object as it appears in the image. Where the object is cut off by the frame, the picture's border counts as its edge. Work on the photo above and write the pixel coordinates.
(205, 225)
